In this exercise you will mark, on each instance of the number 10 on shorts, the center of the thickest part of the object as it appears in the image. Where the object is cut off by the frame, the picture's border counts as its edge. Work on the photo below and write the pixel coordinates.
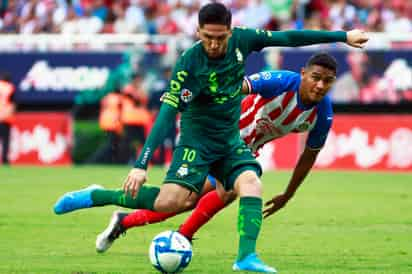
(189, 154)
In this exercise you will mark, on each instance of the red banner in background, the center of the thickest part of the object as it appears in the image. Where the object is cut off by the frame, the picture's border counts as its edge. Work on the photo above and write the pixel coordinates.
(377, 142)
(41, 138)
(355, 142)
(281, 153)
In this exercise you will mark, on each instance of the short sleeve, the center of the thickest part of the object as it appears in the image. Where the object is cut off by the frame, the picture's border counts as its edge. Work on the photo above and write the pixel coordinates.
(317, 136)
(273, 83)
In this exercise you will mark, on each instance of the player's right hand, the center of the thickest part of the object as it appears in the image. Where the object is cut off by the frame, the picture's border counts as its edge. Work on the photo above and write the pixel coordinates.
(134, 180)
(276, 203)
(357, 38)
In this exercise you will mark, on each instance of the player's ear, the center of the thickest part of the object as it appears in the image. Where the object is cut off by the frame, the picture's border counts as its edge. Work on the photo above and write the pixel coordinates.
(302, 72)
(230, 32)
(198, 32)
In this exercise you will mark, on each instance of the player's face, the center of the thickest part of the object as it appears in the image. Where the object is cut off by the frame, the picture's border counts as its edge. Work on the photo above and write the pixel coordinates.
(315, 84)
(214, 38)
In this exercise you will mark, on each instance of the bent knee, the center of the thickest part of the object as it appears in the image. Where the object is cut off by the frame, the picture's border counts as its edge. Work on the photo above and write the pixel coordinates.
(191, 201)
(175, 201)
(249, 184)
(227, 196)
(167, 204)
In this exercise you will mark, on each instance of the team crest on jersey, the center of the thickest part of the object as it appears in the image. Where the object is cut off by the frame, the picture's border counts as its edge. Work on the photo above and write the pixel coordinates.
(186, 95)
(254, 77)
(266, 75)
(303, 127)
(183, 171)
(265, 126)
(239, 56)
(240, 151)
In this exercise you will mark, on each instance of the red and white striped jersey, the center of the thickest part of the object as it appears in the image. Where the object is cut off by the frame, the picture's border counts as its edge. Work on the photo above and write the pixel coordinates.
(280, 112)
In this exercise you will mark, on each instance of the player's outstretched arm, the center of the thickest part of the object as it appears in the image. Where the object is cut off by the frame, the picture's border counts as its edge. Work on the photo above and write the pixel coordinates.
(297, 38)
(304, 165)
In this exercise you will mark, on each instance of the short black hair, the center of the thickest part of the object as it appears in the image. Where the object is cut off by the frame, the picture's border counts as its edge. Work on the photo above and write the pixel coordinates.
(5, 76)
(215, 13)
(323, 59)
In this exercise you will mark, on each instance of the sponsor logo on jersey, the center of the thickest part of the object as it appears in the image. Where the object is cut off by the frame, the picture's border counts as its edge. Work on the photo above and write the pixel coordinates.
(266, 75)
(183, 171)
(239, 55)
(186, 95)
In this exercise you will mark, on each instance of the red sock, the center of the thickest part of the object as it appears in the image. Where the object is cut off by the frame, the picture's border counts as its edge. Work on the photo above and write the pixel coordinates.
(143, 217)
(206, 208)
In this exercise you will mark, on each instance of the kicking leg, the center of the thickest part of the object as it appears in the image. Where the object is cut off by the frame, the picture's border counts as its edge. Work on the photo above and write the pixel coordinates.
(122, 221)
(180, 199)
(143, 217)
(96, 195)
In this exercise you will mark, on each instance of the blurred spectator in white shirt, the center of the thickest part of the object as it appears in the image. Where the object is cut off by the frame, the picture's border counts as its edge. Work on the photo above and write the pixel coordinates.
(185, 15)
(121, 24)
(60, 12)
(135, 16)
(342, 14)
(165, 23)
(28, 23)
(70, 24)
(89, 23)
(401, 22)
(258, 14)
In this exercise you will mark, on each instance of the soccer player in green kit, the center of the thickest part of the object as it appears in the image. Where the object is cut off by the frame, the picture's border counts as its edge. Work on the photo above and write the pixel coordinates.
(206, 88)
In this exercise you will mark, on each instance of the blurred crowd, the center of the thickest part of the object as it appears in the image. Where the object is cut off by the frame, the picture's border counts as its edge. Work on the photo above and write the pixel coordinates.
(180, 16)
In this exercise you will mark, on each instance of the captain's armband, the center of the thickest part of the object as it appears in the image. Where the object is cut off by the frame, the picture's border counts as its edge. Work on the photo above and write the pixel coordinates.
(170, 99)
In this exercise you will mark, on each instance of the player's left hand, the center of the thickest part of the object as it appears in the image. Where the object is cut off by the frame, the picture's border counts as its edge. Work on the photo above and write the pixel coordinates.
(134, 180)
(356, 38)
(275, 204)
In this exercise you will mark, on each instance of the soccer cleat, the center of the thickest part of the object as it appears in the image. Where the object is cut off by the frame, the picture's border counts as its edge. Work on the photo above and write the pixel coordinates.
(105, 239)
(75, 200)
(254, 264)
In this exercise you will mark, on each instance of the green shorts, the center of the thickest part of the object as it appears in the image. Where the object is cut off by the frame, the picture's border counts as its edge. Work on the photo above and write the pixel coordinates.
(190, 166)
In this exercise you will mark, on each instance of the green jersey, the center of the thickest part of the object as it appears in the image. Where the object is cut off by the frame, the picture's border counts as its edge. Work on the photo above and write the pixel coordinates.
(208, 91)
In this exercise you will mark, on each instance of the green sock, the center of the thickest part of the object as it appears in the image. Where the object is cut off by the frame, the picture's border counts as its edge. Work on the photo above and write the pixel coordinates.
(144, 199)
(249, 223)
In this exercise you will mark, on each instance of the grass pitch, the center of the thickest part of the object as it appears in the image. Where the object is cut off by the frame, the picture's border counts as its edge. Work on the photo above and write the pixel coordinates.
(339, 222)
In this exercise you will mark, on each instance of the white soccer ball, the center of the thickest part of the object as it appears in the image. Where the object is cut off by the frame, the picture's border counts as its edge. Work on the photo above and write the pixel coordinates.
(170, 252)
